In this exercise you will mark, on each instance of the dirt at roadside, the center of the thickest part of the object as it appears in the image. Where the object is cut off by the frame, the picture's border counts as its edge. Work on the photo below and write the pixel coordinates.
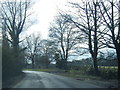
(102, 83)
(106, 84)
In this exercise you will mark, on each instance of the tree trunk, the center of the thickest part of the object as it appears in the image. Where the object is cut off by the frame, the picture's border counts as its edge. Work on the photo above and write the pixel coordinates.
(118, 58)
(47, 61)
(66, 57)
(65, 64)
(16, 52)
(33, 62)
(95, 65)
(95, 41)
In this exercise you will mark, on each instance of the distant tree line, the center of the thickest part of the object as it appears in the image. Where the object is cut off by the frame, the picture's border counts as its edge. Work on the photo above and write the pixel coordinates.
(38, 51)
(110, 59)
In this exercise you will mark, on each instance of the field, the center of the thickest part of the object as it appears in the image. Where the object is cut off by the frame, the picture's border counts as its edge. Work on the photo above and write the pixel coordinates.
(108, 67)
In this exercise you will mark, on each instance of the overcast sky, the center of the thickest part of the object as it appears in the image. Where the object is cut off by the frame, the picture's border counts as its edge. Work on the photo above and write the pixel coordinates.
(44, 12)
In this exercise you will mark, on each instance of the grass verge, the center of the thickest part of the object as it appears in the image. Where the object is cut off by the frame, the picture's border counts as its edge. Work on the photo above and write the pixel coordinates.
(81, 75)
(77, 74)
(68, 73)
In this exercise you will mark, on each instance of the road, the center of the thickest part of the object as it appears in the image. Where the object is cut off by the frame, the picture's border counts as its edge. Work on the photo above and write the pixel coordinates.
(35, 79)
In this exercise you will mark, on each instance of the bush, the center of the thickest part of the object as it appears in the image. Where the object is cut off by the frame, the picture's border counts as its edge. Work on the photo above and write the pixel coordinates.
(90, 71)
(104, 73)
(11, 66)
(7, 64)
(109, 74)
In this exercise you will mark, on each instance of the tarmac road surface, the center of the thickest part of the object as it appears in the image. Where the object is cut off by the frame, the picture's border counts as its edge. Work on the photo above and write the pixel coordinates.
(35, 79)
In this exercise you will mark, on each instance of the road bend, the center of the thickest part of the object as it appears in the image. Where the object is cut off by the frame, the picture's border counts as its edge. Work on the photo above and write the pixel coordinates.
(36, 79)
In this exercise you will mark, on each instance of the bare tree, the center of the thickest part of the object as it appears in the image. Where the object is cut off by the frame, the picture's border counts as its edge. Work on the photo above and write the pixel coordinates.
(64, 34)
(47, 50)
(32, 43)
(110, 11)
(88, 21)
(14, 15)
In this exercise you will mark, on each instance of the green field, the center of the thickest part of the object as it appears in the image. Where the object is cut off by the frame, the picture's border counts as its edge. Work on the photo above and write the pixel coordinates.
(109, 67)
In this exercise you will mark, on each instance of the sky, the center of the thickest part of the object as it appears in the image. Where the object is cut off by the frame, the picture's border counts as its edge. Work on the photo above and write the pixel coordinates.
(44, 12)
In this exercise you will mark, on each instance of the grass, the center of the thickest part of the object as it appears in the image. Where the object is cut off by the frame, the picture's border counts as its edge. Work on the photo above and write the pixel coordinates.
(80, 76)
(80, 73)
(108, 67)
